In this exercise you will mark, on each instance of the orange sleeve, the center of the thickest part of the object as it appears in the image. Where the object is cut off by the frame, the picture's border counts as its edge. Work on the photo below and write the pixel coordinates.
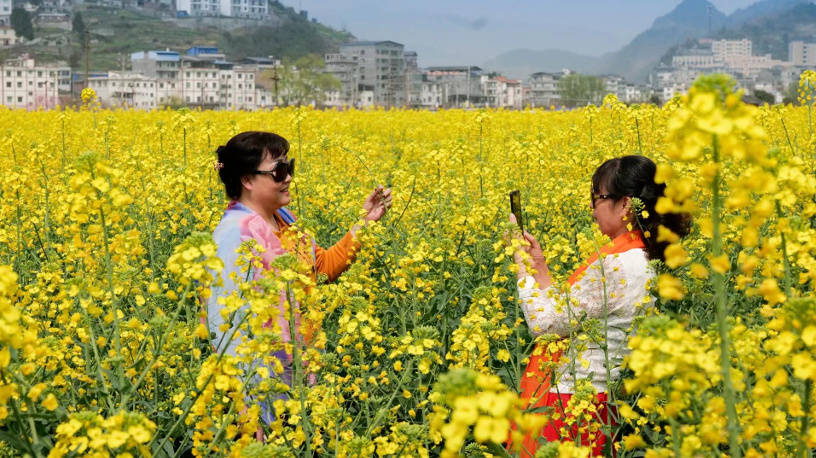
(335, 260)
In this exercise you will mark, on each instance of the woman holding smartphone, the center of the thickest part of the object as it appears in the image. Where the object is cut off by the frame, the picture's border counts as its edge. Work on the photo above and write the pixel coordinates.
(612, 287)
(256, 173)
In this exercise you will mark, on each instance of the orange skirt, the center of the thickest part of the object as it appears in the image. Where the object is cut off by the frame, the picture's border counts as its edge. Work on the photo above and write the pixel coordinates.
(535, 390)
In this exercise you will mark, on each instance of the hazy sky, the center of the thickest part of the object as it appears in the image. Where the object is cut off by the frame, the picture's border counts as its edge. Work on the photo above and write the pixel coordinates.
(463, 32)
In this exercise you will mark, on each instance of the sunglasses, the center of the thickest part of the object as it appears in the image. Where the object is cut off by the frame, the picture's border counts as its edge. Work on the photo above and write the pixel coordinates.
(594, 197)
(281, 170)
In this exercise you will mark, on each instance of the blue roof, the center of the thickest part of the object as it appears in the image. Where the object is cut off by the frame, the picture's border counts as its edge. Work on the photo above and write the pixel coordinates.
(164, 56)
(196, 50)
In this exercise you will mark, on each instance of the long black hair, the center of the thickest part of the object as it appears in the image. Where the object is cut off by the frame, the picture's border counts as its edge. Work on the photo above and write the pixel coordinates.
(634, 176)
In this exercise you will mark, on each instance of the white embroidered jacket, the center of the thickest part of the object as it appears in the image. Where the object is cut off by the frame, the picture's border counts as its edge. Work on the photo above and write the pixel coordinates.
(627, 276)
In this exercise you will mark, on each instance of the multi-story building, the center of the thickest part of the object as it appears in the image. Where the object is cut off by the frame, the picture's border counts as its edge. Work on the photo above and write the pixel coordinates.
(346, 68)
(413, 80)
(380, 69)
(431, 94)
(8, 37)
(201, 77)
(26, 85)
(542, 89)
(509, 93)
(461, 85)
(668, 81)
(127, 90)
(5, 12)
(252, 9)
(624, 90)
(802, 54)
(158, 64)
(725, 50)
(266, 79)
(238, 88)
(697, 60)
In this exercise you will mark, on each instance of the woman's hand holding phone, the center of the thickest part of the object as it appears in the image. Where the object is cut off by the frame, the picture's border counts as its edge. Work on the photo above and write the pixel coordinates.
(536, 256)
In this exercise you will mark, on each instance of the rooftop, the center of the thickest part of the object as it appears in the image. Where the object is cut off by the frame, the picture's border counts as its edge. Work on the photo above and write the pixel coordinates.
(372, 43)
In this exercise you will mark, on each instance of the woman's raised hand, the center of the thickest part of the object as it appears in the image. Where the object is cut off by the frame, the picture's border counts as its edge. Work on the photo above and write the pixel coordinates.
(535, 256)
(377, 203)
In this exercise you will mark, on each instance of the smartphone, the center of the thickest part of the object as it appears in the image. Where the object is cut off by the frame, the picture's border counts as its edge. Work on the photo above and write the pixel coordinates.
(515, 207)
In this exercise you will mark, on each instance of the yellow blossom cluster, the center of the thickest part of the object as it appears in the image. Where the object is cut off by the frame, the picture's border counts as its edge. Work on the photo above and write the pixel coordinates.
(418, 348)
(467, 402)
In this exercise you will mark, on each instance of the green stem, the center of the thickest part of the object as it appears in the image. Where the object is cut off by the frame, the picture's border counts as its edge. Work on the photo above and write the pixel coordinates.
(805, 451)
(722, 312)
(788, 270)
(18, 416)
(481, 181)
(185, 147)
(675, 437)
(297, 370)
(787, 136)
(109, 268)
(63, 140)
(158, 350)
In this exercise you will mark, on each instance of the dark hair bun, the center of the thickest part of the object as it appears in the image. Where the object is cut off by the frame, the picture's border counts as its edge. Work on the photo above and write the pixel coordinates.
(633, 176)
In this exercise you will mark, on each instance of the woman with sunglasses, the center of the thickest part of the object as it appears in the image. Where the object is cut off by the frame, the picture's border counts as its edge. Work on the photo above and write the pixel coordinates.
(256, 174)
(613, 289)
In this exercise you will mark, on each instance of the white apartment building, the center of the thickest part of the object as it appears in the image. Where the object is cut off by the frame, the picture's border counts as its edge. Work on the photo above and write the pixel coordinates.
(5, 12)
(696, 60)
(431, 95)
(750, 66)
(8, 37)
(462, 86)
(380, 69)
(24, 85)
(623, 90)
(252, 9)
(542, 89)
(202, 78)
(209, 88)
(126, 90)
(502, 92)
(728, 49)
(238, 89)
(802, 54)
(346, 68)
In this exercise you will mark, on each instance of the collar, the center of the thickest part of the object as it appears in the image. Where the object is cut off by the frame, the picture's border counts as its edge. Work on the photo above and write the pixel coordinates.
(624, 242)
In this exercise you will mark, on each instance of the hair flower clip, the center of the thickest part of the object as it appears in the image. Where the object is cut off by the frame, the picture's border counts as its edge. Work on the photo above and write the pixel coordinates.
(218, 165)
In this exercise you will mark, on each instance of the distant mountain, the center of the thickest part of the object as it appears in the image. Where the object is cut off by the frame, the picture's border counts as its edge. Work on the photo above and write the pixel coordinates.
(520, 63)
(761, 9)
(286, 34)
(771, 34)
(690, 19)
(769, 23)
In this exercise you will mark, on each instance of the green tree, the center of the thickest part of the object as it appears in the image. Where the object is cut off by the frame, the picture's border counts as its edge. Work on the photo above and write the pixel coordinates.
(791, 95)
(21, 22)
(576, 89)
(78, 25)
(304, 81)
(765, 96)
